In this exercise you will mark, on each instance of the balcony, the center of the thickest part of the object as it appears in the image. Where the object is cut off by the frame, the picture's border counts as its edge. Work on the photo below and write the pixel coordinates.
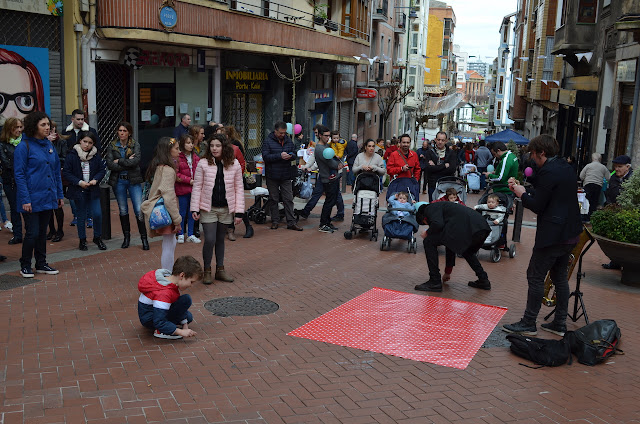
(401, 23)
(381, 11)
(574, 36)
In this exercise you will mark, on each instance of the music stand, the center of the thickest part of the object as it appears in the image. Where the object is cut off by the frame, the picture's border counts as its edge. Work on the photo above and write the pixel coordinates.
(577, 293)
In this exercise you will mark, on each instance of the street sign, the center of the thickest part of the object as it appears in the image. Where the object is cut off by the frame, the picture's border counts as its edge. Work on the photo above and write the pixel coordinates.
(366, 93)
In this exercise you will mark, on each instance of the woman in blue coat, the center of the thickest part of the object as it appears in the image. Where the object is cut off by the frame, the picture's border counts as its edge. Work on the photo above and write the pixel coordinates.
(39, 190)
(84, 169)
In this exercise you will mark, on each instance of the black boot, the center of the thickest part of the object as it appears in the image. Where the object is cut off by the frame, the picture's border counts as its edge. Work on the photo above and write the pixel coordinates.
(52, 228)
(98, 241)
(247, 225)
(59, 215)
(126, 230)
(83, 245)
(143, 234)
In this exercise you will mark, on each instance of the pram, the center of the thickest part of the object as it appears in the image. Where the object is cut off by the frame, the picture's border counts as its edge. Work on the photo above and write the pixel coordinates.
(497, 244)
(447, 182)
(401, 227)
(366, 188)
(469, 172)
(262, 207)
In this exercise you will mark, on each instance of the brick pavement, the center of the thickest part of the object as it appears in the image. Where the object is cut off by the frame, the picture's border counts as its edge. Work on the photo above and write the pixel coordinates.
(73, 350)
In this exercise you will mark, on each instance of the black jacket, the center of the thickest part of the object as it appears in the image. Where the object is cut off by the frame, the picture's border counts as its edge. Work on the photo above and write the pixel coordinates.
(615, 184)
(274, 166)
(554, 200)
(453, 223)
(434, 172)
(132, 166)
(352, 152)
(72, 140)
(6, 160)
(72, 173)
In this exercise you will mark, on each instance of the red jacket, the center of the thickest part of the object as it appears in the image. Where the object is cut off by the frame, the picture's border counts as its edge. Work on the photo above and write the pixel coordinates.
(470, 156)
(239, 156)
(184, 174)
(388, 151)
(396, 162)
(444, 198)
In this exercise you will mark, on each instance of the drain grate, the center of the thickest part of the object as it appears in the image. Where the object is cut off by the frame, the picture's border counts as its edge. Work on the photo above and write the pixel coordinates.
(8, 282)
(497, 338)
(241, 306)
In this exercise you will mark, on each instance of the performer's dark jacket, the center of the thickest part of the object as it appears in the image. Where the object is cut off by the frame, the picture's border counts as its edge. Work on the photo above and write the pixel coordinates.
(456, 225)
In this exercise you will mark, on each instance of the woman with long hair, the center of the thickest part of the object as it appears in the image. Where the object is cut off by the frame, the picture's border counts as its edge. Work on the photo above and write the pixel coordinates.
(368, 161)
(238, 149)
(60, 144)
(217, 200)
(162, 174)
(10, 137)
(187, 163)
(197, 135)
(123, 159)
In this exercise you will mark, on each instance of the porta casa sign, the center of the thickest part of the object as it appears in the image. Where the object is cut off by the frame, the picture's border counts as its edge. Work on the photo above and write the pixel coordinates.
(236, 80)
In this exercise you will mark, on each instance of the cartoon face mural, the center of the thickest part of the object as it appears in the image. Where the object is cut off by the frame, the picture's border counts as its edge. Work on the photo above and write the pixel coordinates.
(24, 81)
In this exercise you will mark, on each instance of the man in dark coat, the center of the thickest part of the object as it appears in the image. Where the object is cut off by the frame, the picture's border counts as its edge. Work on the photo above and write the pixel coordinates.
(279, 155)
(422, 157)
(559, 226)
(78, 123)
(461, 230)
(441, 162)
(351, 153)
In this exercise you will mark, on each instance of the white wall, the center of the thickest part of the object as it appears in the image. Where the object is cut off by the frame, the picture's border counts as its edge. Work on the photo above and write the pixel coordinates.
(606, 96)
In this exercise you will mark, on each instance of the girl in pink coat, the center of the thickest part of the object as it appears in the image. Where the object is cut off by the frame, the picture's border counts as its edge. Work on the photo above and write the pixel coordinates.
(187, 163)
(217, 200)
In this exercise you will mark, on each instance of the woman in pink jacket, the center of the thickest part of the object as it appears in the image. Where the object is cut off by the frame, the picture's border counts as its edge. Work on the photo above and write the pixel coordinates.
(217, 200)
(187, 163)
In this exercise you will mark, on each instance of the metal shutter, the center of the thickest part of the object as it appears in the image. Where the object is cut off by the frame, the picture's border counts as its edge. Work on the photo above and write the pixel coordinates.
(344, 119)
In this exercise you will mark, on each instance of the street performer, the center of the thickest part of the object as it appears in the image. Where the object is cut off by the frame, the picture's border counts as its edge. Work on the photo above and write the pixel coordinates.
(559, 226)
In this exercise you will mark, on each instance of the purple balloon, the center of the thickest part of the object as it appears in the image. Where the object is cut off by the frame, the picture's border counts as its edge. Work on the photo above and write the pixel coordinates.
(528, 171)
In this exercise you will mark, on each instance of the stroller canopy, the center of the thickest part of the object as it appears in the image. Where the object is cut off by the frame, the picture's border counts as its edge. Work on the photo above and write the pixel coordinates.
(404, 184)
(506, 136)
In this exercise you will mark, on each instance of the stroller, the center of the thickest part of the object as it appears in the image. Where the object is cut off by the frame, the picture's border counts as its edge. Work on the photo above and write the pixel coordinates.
(262, 207)
(366, 188)
(404, 227)
(469, 172)
(447, 182)
(499, 243)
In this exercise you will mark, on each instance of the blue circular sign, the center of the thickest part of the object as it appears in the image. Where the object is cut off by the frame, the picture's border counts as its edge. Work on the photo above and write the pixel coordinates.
(168, 17)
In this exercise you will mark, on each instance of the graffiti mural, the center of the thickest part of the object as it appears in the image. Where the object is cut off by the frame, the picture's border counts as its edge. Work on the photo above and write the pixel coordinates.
(24, 81)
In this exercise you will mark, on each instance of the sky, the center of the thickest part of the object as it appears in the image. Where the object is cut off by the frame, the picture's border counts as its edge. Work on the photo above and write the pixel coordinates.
(477, 25)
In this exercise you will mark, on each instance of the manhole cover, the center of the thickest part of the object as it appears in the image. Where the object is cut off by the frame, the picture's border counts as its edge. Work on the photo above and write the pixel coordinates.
(8, 282)
(240, 306)
(497, 338)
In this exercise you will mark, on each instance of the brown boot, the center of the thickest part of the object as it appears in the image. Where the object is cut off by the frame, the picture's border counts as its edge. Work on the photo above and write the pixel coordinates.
(230, 235)
(206, 278)
(221, 275)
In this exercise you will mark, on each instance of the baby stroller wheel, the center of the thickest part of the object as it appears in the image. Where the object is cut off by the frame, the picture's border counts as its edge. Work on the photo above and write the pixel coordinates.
(495, 255)
(512, 251)
(385, 243)
(260, 217)
(348, 235)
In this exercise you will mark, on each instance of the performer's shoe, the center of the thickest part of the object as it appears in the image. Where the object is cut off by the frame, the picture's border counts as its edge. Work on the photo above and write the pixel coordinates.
(430, 286)
(521, 327)
(555, 328)
(480, 284)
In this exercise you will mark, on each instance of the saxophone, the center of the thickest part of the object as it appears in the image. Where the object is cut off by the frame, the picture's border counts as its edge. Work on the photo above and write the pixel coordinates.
(573, 260)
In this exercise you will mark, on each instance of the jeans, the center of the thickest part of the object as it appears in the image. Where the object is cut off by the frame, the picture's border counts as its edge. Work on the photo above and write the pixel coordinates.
(431, 243)
(135, 193)
(351, 178)
(318, 189)
(35, 238)
(184, 203)
(85, 207)
(276, 189)
(554, 260)
(339, 201)
(178, 312)
(483, 178)
(331, 190)
(3, 211)
(16, 219)
(425, 179)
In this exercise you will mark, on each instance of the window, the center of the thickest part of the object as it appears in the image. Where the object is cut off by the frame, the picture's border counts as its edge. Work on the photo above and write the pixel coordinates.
(381, 47)
(412, 69)
(501, 86)
(412, 81)
(548, 61)
(443, 64)
(505, 36)
(499, 111)
(414, 43)
(587, 11)
(561, 15)
(355, 22)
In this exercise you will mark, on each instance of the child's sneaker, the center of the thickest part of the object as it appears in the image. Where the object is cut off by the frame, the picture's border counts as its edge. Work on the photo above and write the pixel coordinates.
(89, 222)
(74, 221)
(193, 239)
(181, 238)
(8, 225)
(165, 336)
(325, 229)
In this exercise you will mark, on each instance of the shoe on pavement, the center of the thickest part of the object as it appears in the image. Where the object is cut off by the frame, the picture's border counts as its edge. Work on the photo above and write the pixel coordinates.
(165, 336)
(181, 239)
(274, 226)
(294, 227)
(3, 258)
(74, 221)
(98, 241)
(27, 272)
(555, 328)
(89, 222)
(333, 227)
(430, 286)
(521, 327)
(83, 245)
(337, 218)
(325, 229)
(15, 240)
(192, 239)
(46, 269)
(480, 284)
(611, 265)
(8, 225)
(299, 213)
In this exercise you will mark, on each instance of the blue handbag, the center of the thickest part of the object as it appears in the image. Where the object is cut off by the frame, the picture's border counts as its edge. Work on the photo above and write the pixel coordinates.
(159, 216)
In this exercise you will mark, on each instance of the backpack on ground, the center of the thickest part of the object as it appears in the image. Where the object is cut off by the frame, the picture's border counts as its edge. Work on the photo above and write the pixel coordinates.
(595, 342)
(550, 353)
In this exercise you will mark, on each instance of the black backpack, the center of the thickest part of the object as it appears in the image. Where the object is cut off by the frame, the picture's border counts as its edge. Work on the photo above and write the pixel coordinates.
(595, 342)
(550, 353)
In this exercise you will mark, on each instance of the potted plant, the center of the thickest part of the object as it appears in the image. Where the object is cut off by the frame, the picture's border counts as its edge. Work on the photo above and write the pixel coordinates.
(331, 25)
(320, 13)
(617, 230)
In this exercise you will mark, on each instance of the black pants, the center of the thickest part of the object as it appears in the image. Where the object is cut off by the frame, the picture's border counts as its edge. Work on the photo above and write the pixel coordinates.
(425, 179)
(276, 189)
(35, 238)
(592, 192)
(431, 243)
(554, 260)
(331, 196)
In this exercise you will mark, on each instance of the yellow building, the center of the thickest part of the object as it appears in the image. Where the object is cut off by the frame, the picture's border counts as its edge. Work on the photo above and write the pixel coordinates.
(433, 62)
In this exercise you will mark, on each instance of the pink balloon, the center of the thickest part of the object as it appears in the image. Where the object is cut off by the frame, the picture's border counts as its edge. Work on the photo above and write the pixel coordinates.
(528, 171)
(297, 129)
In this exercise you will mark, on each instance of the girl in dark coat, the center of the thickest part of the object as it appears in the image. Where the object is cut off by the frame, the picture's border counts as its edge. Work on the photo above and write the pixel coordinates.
(84, 170)
(60, 144)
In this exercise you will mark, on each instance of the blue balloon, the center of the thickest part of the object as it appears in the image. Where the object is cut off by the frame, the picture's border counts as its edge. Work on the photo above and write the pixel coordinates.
(289, 128)
(490, 168)
(418, 204)
(328, 153)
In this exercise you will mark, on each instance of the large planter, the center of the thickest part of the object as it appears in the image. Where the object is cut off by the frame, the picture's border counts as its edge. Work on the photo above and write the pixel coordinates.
(625, 254)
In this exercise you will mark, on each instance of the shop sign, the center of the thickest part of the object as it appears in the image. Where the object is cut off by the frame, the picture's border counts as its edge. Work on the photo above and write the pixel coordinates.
(145, 95)
(322, 96)
(152, 58)
(366, 93)
(627, 70)
(168, 15)
(43, 7)
(236, 80)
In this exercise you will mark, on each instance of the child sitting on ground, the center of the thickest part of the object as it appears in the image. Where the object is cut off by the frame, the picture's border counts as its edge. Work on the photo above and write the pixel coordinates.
(161, 307)
(494, 213)
(451, 195)
(400, 201)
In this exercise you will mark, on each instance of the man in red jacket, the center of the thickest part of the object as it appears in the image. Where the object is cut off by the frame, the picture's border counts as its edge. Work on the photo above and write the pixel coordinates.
(404, 162)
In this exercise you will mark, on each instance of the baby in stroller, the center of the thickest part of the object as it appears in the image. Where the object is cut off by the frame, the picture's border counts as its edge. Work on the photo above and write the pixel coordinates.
(494, 212)
(401, 226)
(496, 207)
(450, 195)
(400, 204)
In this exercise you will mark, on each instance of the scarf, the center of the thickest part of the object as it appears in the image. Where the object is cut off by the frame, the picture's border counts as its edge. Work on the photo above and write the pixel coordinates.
(442, 152)
(85, 156)
(15, 141)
